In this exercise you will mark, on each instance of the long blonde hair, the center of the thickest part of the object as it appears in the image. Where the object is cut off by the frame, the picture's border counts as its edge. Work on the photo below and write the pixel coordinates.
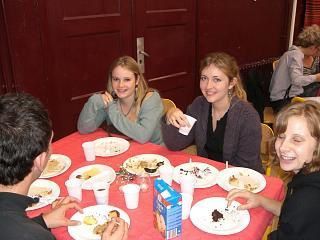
(310, 110)
(228, 65)
(130, 64)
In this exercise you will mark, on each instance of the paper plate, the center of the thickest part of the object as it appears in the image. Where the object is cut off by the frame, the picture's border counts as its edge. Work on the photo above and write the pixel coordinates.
(110, 146)
(56, 165)
(233, 220)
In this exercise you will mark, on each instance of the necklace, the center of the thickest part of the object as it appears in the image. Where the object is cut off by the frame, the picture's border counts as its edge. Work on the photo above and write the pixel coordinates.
(126, 114)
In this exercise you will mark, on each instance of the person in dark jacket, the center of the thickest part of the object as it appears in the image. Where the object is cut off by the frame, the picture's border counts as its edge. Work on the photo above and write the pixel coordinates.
(297, 147)
(227, 128)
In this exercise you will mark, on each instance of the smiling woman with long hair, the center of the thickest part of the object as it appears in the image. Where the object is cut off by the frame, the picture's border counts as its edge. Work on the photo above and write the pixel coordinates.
(128, 104)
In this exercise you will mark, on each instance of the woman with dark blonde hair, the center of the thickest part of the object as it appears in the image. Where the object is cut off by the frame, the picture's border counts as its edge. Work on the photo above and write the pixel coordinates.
(297, 148)
(129, 104)
(290, 78)
(227, 127)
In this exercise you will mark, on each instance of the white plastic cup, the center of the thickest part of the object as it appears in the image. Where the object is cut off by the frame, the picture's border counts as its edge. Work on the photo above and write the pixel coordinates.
(187, 183)
(89, 152)
(166, 173)
(131, 195)
(74, 188)
(186, 130)
(186, 205)
(101, 192)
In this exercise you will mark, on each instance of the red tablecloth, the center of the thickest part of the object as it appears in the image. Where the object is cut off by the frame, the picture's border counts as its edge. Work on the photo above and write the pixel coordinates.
(142, 218)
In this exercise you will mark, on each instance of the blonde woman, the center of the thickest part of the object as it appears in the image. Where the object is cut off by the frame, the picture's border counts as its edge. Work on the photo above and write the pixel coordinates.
(288, 79)
(129, 104)
(297, 147)
(227, 127)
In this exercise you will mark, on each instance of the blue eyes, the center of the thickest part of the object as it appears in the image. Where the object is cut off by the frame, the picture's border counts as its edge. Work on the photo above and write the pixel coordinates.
(215, 80)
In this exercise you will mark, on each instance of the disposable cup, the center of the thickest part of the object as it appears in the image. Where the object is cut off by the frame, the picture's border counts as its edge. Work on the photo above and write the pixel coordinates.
(186, 205)
(186, 130)
(88, 149)
(187, 183)
(166, 173)
(101, 192)
(131, 195)
(74, 188)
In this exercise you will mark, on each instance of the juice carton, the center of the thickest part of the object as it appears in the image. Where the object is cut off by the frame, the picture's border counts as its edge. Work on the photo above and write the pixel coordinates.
(167, 209)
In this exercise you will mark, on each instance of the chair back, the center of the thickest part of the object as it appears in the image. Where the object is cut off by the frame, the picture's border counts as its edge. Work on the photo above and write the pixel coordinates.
(167, 104)
(267, 136)
(297, 99)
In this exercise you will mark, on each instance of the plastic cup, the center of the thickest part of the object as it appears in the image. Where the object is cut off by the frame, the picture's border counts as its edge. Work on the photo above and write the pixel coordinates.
(186, 205)
(89, 153)
(131, 195)
(101, 192)
(185, 130)
(166, 173)
(74, 188)
(187, 183)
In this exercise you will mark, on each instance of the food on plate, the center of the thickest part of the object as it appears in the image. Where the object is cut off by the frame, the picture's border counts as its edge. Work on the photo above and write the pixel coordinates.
(139, 166)
(89, 173)
(39, 192)
(53, 165)
(99, 229)
(196, 171)
(89, 220)
(216, 215)
(244, 181)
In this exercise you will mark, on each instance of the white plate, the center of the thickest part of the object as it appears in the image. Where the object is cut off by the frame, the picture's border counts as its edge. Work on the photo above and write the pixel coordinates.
(233, 220)
(241, 178)
(132, 165)
(110, 146)
(63, 163)
(205, 178)
(45, 200)
(100, 213)
(100, 172)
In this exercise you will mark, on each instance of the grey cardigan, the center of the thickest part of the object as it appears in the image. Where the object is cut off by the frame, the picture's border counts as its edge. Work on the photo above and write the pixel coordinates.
(242, 137)
(146, 128)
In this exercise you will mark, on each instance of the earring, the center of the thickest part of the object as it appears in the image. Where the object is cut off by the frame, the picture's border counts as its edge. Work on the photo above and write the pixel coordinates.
(229, 93)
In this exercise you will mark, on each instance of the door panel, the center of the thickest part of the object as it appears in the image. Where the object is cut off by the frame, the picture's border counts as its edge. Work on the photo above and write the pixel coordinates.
(87, 36)
(168, 28)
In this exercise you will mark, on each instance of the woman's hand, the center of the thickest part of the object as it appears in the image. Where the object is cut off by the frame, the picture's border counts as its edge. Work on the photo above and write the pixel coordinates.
(253, 200)
(116, 230)
(176, 118)
(107, 98)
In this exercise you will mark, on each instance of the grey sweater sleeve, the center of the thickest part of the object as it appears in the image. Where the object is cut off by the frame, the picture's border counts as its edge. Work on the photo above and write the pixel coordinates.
(92, 115)
(148, 119)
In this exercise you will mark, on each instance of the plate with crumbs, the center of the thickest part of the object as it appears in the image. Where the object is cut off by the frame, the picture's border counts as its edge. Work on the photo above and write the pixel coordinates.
(212, 215)
(241, 178)
(110, 146)
(205, 174)
(57, 164)
(45, 190)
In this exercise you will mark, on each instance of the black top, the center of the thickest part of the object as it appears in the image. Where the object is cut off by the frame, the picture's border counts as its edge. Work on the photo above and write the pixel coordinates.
(299, 217)
(15, 224)
(214, 144)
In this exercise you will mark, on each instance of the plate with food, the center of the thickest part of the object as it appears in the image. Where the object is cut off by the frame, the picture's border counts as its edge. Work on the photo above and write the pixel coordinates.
(212, 215)
(45, 190)
(94, 173)
(204, 174)
(145, 163)
(110, 146)
(94, 220)
(56, 165)
(241, 178)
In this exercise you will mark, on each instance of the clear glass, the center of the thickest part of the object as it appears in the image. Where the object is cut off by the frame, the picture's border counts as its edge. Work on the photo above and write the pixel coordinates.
(144, 182)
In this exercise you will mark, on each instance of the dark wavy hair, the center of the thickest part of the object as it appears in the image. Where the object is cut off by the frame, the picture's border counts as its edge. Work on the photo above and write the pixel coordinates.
(25, 132)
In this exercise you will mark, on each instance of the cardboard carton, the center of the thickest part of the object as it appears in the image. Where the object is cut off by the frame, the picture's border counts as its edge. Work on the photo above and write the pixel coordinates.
(167, 210)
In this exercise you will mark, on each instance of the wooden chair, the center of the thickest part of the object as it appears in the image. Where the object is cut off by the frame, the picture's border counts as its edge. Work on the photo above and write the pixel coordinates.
(267, 135)
(274, 64)
(167, 104)
(297, 99)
